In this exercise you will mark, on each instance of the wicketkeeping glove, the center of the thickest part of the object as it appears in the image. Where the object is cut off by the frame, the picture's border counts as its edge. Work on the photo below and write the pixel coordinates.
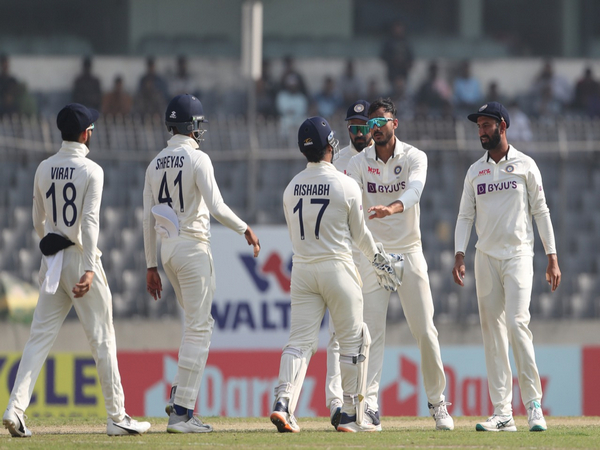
(389, 268)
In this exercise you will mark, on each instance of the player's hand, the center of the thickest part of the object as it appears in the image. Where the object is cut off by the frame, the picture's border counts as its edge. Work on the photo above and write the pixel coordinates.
(84, 285)
(458, 272)
(380, 211)
(553, 274)
(153, 283)
(252, 240)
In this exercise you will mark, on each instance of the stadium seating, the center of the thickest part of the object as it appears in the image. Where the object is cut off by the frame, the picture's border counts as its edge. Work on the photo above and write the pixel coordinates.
(567, 153)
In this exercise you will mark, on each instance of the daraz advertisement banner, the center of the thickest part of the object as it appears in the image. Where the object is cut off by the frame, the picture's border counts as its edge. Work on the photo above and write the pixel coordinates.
(240, 383)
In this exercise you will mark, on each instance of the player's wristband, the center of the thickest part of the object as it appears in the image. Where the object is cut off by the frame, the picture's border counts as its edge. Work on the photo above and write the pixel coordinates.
(460, 253)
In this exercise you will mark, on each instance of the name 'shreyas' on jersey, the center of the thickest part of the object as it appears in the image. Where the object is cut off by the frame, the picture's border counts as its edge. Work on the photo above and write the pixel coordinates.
(168, 162)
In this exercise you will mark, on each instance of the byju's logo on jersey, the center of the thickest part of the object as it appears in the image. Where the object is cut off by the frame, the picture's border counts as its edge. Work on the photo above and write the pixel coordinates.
(494, 187)
(386, 189)
(274, 265)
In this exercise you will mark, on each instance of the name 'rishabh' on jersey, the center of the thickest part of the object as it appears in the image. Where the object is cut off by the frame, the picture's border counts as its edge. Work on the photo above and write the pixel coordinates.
(323, 210)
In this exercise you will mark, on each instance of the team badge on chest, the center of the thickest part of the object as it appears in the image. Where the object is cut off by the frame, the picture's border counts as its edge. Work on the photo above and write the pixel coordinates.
(397, 170)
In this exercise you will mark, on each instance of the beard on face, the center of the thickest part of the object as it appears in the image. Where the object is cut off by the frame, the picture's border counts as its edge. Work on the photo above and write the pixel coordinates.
(384, 138)
(88, 140)
(361, 142)
(492, 141)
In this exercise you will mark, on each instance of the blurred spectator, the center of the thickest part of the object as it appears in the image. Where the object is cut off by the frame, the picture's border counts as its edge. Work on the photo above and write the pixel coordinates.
(182, 82)
(351, 87)
(266, 92)
(586, 99)
(117, 101)
(546, 106)
(9, 88)
(549, 85)
(328, 100)
(520, 125)
(86, 88)
(156, 80)
(289, 69)
(149, 100)
(373, 91)
(433, 96)
(292, 106)
(493, 94)
(397, 53)
(467, 90)
(401, 98)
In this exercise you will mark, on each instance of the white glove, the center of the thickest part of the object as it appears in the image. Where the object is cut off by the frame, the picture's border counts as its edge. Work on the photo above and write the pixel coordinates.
(389, 269)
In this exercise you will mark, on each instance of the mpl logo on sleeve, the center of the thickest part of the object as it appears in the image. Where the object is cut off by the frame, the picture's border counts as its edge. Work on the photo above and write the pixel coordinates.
(481, 189)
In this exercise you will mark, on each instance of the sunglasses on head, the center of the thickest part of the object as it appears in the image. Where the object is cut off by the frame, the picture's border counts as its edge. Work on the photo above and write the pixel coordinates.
(91, 127)
(378, 122)
(354, 129)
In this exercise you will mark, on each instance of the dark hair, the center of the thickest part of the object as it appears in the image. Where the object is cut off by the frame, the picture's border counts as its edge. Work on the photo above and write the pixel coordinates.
(314, 155)
(70, 137)
(386, 103)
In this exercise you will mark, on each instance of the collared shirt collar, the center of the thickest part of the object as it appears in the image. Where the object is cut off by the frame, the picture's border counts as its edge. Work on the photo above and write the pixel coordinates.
(182, 139)
(325, 164)
(74, 147)
(371, 153)
(504, 158)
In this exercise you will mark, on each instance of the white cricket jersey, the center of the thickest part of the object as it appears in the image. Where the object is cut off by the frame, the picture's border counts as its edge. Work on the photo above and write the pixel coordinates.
(66, 199)
(182, 176)
(401, 178)
(504, 196)
(344, 157)
(323, 210)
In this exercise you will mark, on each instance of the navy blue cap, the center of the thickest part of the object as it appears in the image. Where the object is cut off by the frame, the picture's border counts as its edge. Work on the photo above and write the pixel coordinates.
(492, 109)
(184, 108)
(74, 118)
(358, 110)
(314, 133)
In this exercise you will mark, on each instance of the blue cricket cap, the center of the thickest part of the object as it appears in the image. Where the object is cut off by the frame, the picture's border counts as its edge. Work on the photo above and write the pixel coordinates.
(492, 109)
(75, 118)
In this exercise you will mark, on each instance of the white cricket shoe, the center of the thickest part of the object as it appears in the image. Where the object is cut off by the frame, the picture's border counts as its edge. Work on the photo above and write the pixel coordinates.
(14, 421)
(282, 419)
(535, 417)
(348, 424)
(186, 424)
(443, 420)
(335, 412)
(126, 427)
(372, 417)
(497, 423)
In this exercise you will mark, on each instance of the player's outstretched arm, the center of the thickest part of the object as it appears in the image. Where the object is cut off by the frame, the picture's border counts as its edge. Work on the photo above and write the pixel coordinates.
(252, 240)
(553, 275)
(84, 285)
(458, 272)
(380, 211)
(153, 282)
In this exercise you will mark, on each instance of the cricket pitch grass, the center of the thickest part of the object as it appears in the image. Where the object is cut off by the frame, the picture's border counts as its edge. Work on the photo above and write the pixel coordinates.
(316, 433)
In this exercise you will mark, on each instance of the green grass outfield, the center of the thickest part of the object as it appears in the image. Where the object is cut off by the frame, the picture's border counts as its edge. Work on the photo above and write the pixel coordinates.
(317, 433)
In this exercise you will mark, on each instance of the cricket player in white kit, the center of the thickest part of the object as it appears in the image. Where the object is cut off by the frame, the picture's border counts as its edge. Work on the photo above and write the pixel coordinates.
(360, 138)
(323, 211)
(181, 180)
(391, 175)
(504, 190)
(66, 208)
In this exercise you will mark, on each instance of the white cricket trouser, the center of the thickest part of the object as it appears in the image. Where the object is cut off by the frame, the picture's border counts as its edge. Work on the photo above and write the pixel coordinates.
(94, 310)
(315, 287)
(417, 303)
(189, 266)
(504, 294)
